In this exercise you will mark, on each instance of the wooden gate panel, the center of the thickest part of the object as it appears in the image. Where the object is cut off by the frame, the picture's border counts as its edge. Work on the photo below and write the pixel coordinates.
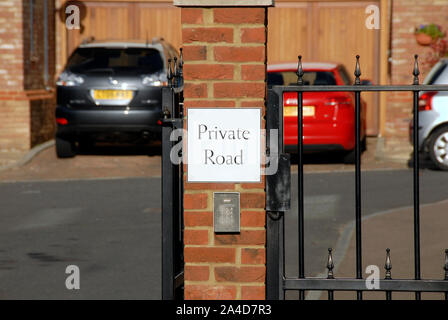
(127, 21)
(328, 31)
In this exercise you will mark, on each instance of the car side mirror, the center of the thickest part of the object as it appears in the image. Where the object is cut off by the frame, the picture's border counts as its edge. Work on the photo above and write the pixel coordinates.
(366, 82)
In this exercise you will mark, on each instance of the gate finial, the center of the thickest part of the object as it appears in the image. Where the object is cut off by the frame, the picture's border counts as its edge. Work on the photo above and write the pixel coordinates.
(388, 265)
(181, 63)
(300, 72)
(416, 71)
(446, 264)
(357, 71)
(330, 264)
(175, 69)
(170, 73)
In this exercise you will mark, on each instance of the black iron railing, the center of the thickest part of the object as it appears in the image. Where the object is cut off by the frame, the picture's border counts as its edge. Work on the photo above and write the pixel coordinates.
(172, 186)
(277, 282)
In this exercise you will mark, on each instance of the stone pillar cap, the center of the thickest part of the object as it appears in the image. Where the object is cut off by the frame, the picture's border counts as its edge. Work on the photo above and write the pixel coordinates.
(223, 3)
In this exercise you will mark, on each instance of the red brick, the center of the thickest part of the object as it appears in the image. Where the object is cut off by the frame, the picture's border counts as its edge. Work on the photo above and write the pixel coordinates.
(191, 16)
(194, 53)
(253, 200)
(239, 15)
(253, 35)
(253, 72)
(212, 35)
(192, 90)
(198, 218)
(253, 292)
(209, 255)
(253, 218)
(256, 185)
(209, 103)
(239, 54)
(197, 273)
(253, 104)
(242, 274)
(195, 201)
(253, 256)
(208, 292)
(208, 72)
(245, 237)
(195, 237)
(239, 90)
(209, 186)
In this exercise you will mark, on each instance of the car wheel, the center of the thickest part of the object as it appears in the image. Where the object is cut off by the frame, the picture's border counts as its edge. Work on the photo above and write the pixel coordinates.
(350, 157)
(364, 144)
(65, 148)
(438, 148)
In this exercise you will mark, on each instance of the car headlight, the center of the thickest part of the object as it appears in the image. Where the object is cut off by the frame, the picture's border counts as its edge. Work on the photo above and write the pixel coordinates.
(153, 81)
(68, 79)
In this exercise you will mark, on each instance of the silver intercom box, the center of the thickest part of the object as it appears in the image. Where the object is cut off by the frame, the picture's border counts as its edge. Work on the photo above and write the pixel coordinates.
(226, 212)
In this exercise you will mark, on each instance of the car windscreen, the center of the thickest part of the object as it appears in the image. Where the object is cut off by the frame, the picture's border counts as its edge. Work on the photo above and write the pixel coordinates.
(316, 78)
(142, 60)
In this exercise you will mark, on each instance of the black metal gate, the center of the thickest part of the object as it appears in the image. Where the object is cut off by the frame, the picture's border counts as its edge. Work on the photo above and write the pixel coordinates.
(277, 281)
(172, 185)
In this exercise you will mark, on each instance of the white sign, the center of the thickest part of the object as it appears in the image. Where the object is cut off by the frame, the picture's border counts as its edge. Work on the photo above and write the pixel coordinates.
(224, 145)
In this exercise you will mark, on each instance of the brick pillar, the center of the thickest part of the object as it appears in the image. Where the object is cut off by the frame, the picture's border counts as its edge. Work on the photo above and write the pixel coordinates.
(26, 106)
(225, 66)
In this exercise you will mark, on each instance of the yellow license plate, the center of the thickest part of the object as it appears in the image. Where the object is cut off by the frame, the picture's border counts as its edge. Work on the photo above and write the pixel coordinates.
(308, 111)
(112, 94)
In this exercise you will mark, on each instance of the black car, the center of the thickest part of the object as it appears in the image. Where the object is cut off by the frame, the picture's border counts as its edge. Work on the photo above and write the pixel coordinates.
(111, 91)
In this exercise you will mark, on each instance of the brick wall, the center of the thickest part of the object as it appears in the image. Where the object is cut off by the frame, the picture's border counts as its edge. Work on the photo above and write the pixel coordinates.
(11, 41)
(408, 14)
(26, 108)
(225, 66)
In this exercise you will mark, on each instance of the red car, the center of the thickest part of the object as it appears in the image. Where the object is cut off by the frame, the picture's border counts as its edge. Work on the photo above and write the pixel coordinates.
(328, 117)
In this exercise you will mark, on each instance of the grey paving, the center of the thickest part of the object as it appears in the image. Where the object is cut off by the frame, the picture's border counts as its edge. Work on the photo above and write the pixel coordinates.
(330, 206)
(110, 229)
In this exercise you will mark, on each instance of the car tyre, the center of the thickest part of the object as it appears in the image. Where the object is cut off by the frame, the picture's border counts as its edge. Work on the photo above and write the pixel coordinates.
(65, 148)
(350, 157)
(364, 144)
(438, 148)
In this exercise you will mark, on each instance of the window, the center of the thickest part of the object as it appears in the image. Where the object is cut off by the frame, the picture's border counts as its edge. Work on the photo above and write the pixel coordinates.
(144, 60)
(317, 78)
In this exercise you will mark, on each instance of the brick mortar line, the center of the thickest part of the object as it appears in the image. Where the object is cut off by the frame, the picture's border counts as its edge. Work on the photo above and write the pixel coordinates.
(212, 81)
(227, 246)
(225, 44)
(223, 99)
(197, 228)
(225, 283)
(237, 72)
(207, 16)
(221, 264)
(223, 25)
(213, 62)
(226, 63)
(236, 35)
(197, 210)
